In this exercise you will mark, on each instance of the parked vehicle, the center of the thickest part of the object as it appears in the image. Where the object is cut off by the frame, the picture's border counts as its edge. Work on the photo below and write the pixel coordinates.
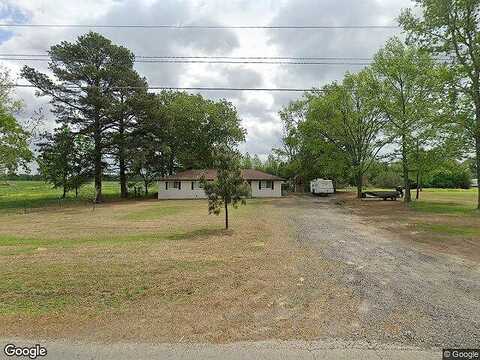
(385, 195)
(321, 187)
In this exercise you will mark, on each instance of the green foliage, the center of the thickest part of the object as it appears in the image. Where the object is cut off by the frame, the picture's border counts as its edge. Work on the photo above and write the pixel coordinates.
(451, 175)
(95, 67)
(451, 28)
(65, 160)
(14, 150)
(304, 154)
(229, 187)
(347, 116)
(409, 81)
(183, 129)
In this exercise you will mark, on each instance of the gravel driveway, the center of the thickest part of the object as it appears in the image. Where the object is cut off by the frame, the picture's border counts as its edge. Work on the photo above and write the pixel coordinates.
(403, 293)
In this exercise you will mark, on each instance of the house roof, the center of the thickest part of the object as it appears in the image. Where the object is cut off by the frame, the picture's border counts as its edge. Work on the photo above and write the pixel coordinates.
(211, 174)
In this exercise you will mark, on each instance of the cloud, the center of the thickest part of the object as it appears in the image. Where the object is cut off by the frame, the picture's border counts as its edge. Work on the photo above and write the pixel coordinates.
(329, 42)
(258, 110)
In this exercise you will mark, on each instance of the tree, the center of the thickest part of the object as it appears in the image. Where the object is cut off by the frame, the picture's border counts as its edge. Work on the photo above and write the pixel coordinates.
(346, 116)
(14, 149)
(129, 97)
(257, 163)
(229, 187)
(186, 128)
(87, 72)
(409, 80)
(452, 28)
(146, 159)
(65, 160)
(247, 161)
(304, 153)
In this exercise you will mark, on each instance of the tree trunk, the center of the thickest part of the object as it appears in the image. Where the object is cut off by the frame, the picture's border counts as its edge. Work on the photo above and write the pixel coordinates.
(123, 177)
(98, 168)
(406, 180)
(122, 163)
(477, 144)
(64, 192)
(418, 186)
(359, 185)
(76, 191)
(226, 215)
(146, 187)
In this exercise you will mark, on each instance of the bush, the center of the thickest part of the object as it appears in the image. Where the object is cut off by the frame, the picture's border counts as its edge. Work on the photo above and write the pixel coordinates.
(388, 180)
(451, 180)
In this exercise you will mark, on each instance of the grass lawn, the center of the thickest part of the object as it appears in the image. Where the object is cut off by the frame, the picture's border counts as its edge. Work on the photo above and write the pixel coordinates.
(446, 219)
(19, 196)
(146, 269)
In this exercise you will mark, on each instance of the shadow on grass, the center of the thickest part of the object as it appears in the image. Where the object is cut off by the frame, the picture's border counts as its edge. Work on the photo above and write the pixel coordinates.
(199, 233)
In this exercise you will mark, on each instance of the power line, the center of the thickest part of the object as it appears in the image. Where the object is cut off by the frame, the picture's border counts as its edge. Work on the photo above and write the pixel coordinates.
(217, 62)
(215, 57)
(212, 27)
(8, 56)
(191, 88)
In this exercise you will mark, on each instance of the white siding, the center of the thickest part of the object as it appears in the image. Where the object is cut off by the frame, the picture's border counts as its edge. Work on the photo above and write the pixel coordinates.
(257, 193)
(186, 191)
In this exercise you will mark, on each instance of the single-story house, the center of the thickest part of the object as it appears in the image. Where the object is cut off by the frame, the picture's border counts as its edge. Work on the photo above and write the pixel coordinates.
(186, 184)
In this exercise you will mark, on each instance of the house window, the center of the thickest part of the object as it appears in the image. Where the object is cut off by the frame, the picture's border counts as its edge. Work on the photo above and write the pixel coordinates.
(197, 185)
(265, 184)
(173, 185)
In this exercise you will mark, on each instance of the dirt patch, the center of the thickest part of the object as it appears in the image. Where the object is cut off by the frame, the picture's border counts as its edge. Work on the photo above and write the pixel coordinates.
(175, 276)
(401, 291)
(450, 234)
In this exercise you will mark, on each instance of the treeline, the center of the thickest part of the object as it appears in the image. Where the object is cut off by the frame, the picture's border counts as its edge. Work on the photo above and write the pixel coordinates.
(414, 112)
(108, 121)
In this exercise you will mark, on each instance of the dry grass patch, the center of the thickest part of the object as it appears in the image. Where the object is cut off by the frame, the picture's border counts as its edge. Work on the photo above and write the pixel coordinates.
(443, 220)
(162, 271)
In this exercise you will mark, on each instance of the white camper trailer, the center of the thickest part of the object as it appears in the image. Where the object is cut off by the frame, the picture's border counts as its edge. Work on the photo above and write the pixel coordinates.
(475, 183)
(321, 187)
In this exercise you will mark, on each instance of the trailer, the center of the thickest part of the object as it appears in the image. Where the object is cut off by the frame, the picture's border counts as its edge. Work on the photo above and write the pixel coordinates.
(385, 195)
(321, 187)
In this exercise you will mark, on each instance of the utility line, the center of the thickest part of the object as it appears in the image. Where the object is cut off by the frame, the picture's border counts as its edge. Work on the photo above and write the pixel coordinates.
(214, 57)
(189, 88)
(8, 56)
(217, 62)
(212, 27)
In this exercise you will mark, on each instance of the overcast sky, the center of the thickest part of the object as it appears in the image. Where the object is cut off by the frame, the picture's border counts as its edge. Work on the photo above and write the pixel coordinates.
(258, 111)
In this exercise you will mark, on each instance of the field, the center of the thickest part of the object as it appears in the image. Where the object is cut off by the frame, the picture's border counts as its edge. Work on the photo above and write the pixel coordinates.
(445, 219)
(139, 269)
(166, 271)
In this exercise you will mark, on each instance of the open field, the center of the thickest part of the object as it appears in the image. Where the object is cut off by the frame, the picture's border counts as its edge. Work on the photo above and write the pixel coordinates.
(19, 196)
(291, 268)
(446, 219)
(148, 269)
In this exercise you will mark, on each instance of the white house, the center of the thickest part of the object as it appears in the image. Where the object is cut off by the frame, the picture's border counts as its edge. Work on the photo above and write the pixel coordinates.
(186, 184)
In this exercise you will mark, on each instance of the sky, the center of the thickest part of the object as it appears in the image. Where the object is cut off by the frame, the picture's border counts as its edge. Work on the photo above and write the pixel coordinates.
(258, 110)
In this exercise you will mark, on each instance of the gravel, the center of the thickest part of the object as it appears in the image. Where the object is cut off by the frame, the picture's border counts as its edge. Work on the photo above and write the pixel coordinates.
(403, 293)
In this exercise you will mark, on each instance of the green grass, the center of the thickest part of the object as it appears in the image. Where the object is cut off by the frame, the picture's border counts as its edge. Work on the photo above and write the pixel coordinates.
(447, 201)
(30, 245)
(51, 288)
(446, 229)
(24, 195)
(154, 212)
